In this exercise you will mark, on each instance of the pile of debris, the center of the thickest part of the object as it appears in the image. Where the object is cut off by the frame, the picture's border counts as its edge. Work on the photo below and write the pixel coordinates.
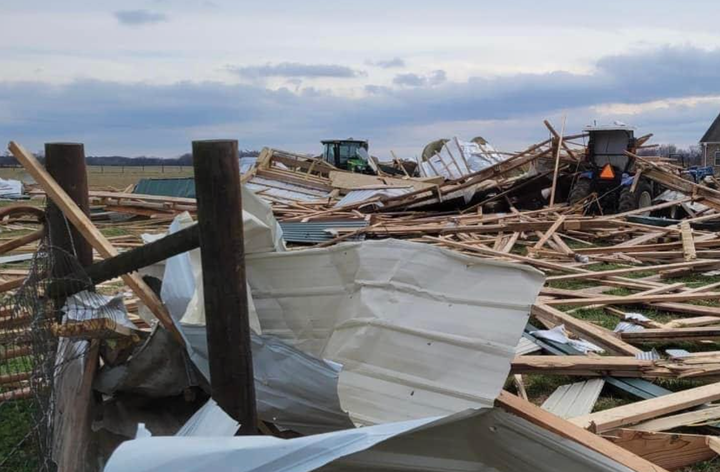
(386, 320)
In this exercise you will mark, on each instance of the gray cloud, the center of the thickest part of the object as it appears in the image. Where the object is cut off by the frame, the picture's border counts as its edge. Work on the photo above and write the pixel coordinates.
(393, 63)
(139, 17)
(436, 77)
(296, 69)
(163, 119)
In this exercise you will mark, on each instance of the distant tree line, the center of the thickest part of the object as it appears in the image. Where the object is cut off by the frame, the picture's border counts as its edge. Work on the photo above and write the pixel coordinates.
(689, 156)
(7, 160)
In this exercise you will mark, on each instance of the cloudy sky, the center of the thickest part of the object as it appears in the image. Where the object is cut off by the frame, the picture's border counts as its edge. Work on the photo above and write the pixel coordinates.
(146, 77)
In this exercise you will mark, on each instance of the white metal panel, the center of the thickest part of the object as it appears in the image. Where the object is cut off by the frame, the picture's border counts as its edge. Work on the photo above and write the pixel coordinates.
(420, 330)
(576, 399)
(477, 440)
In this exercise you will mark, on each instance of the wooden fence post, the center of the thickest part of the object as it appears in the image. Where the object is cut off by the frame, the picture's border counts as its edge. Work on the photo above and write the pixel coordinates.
(74, 449)
(219, 205)
(65, 162)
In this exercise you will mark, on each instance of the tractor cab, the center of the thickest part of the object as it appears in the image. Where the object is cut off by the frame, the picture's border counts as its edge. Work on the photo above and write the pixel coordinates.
(606, 151)
(609, 173)
(347, 154)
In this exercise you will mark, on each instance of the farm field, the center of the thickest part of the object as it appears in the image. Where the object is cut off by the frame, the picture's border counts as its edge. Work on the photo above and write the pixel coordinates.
(102, 177)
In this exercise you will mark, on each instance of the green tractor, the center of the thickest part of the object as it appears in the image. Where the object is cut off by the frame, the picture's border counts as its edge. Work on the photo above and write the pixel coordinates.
(347, 154)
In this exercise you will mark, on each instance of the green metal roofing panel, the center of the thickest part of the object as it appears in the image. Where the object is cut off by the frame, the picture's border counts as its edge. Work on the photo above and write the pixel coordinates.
(183, 187)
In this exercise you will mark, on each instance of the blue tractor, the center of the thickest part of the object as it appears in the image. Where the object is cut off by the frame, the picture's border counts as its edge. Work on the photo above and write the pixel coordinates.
(608, 172)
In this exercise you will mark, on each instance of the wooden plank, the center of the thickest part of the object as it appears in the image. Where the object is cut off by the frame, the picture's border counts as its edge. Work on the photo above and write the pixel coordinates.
(548, 234)
(98, 328)
(630, 270)
(634, 299)
(671, 451)
(688, 241)
(568, 430)
(691, 418)
(557, 161)
(596, 334)
(647, 409)
(22, 240)
(673, 334)
(93, 235)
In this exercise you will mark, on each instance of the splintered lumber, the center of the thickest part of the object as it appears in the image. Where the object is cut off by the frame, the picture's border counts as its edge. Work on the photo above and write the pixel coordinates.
(629, 270)
(557, 161)
(593, 333)
(93, 235)
(621, 366)
(691, 418)
(11, 284)
(634, 299)
(98, 328)
(688, 241)
(425, 197)
(654, 172)
(563, 428)
(671, 451)
(636, 412)
(22, 240)
(673, 334)
(550, 232)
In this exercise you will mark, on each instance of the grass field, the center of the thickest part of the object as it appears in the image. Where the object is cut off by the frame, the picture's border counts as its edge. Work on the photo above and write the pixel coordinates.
(101, 177)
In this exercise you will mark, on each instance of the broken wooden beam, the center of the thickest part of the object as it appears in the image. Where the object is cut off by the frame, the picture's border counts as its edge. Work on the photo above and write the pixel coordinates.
(634, 413)
(563, 428)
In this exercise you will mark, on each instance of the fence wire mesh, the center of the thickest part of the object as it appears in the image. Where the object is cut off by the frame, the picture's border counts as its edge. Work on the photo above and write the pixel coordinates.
(46, 328)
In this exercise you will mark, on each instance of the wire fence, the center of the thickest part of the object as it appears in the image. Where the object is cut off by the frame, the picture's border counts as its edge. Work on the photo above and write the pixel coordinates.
(46, 328)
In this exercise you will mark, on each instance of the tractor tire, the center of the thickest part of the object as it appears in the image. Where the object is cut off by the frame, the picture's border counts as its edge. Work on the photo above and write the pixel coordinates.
(641, 198)
(580, 191)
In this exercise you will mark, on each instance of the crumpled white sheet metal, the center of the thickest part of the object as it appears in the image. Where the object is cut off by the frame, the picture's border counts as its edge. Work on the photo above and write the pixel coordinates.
(293, 389)
(474, 440)
(210, 420)
(450, 164)
(419, 330)
(262, 234)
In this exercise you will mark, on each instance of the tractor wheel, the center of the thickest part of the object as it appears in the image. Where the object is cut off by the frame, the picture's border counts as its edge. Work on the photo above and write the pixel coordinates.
(641, 198)
(580, 191)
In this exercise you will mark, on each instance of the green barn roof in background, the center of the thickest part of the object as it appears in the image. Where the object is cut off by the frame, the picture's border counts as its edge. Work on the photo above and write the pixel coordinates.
(182, 187)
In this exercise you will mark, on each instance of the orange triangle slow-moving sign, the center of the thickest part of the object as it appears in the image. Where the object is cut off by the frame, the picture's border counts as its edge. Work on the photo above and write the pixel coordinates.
(607, 172)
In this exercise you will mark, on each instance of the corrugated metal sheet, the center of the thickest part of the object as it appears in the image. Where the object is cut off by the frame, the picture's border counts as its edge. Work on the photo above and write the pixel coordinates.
(641, 388)
(575, 399)
(182, 188)
(627, 327)
(374, 307)
(285, 191)
(525, 347)
(677, 353)
(648, 355)
(475, 440)
(318, 231)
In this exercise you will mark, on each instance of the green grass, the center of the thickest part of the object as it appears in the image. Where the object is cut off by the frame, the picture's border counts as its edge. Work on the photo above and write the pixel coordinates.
(16, 419)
